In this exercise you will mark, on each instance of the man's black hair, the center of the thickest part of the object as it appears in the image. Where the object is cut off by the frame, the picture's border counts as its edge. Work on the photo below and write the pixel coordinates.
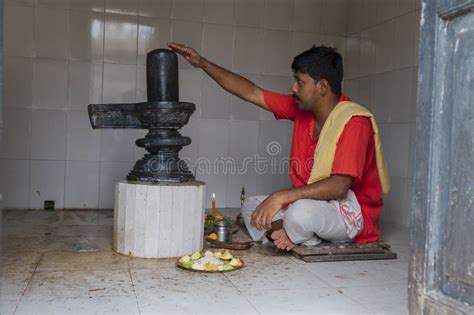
(321, 63)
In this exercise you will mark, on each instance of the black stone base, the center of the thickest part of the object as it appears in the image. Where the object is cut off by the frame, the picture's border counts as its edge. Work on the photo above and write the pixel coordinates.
(164, 167)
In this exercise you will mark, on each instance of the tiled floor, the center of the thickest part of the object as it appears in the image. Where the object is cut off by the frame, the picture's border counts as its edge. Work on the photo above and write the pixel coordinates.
(62, 263)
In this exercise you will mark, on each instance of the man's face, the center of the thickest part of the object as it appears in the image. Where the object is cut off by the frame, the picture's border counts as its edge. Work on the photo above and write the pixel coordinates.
(305, 90)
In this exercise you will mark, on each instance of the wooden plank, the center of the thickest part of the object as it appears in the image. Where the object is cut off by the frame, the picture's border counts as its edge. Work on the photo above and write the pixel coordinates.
(152, 217)
(119, 210)
(333, 250)
(177, 218)
(140, 221)
(388, 254)
(164, 235)
(129, 213)
(188, 219)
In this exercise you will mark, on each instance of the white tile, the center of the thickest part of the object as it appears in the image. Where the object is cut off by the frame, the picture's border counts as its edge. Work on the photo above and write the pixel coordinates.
(215, 177)
(87, 35)
(82, 142)
(19, 2)
(411, 156)
(216, 101)
(16, 139)
(403, 107)
(399, 146)
(386, 9)
(380, 299)
(119, 83)
(111, 172)
(155, 8)
(48, 134)
(307, 15)
(351, 89)
(189, 34)
(14, 183)
(82, 185)
(213, 135)
(104, 305)
(355, 20)
(278, 84)
(91, 5)
(120, 43)
(124, 7)
(334, 18)
(248, 50)
(314, 301)
(51, 21)
(351, 60)
(395, 210)
(277, 53)
(79, 284)
(382, 99)
(84, 84)
(141, 91)
(49, 84)
(356, 273)
(245, 176)
(365, 92)
(336, 41)
(219, 11)
(18, 81)
(190, 88)
(243, 110)
(417, 36)
(271, 179)
(117, 145)
(272, 141)
(157, 293)
(243, 140)
(405, 6)
(249, 13)
(278, 15)
(384, 46)
(303, 41)
(283, 274)
(218, 43)
(367, 53)
(47, 183)
(152, 34)
(18, 31)
(405, 40)
(190, 10)
(57, 4)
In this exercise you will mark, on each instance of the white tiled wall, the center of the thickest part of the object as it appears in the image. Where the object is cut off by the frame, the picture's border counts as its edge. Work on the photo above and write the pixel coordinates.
(381, 73)
(62, 55)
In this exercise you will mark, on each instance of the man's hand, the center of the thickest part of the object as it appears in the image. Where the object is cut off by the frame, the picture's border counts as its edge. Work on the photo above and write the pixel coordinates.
(189, 54)
(266, 210)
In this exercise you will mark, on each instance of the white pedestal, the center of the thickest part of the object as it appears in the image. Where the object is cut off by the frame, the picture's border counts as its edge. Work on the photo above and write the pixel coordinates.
(158, 220)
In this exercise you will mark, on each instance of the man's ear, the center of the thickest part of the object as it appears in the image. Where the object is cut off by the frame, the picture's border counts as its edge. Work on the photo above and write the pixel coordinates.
(323, 86)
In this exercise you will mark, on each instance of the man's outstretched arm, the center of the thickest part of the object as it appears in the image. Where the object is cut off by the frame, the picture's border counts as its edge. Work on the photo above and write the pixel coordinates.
(229, 81)
(334, 187)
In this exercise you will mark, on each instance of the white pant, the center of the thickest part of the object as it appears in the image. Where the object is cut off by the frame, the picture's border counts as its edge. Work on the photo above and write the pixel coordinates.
(307, 221)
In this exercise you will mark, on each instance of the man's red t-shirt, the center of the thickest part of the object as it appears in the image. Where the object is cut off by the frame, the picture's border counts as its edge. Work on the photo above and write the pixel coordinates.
(355, 156)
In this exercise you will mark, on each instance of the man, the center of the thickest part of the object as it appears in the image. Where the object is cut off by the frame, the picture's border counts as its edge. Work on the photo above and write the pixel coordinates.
(337, 199)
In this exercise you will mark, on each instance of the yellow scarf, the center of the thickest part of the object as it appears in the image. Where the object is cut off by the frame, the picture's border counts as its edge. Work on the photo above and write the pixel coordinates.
(329, 136)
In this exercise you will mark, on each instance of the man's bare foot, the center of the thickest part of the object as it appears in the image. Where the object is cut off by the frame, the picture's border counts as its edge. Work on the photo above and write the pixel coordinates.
(282, 241)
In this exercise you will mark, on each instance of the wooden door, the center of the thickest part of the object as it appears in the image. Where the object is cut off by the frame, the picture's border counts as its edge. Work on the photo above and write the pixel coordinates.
(442, 236)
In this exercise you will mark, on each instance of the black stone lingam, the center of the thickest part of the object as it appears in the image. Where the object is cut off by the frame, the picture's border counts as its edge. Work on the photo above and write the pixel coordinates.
(163, 115)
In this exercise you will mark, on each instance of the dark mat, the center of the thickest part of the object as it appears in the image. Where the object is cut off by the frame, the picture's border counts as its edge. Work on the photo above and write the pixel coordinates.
(343, 252)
